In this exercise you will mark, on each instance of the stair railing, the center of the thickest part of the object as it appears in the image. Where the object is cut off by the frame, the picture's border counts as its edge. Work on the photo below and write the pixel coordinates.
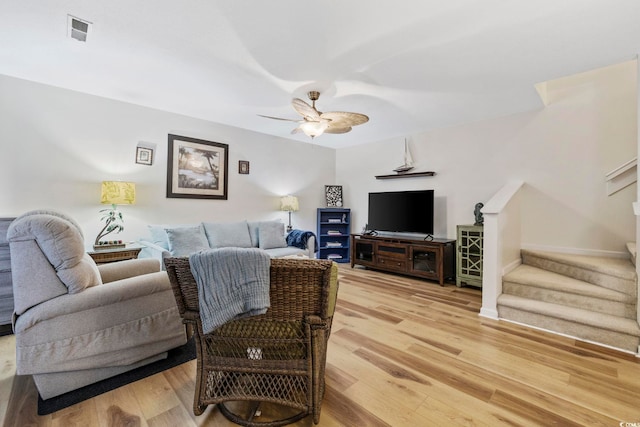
(501, 245)
(622, 176)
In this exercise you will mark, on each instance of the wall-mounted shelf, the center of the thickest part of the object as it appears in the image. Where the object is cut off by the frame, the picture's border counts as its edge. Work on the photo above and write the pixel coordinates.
(405, 175)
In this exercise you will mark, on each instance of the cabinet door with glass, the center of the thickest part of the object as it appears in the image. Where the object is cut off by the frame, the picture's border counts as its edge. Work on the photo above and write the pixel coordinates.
(469, 259)
(425, 261)
(363, 251)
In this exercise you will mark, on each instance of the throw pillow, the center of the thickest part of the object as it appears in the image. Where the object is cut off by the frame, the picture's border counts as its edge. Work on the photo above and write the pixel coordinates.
(183, 241)
(271, 235)
(227, 235)
(159, 235)
(254, 226)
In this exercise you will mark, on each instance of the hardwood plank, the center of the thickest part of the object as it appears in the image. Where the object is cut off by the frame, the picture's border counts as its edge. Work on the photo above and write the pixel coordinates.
(402, 352)
(22, 409)
(119, 407)
(79, 415)
(155, 395)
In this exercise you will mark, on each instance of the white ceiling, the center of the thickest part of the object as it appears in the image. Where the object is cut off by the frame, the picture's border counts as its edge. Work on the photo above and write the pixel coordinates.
(410, 65)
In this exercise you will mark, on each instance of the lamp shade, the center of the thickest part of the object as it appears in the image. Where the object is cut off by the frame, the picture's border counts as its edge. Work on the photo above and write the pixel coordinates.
(289, 203)
(118, 193)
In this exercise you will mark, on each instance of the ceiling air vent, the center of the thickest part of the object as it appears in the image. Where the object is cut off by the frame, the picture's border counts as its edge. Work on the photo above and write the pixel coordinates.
(77, 28)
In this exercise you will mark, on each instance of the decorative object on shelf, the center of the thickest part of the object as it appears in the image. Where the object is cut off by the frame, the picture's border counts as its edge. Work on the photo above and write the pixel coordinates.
(109, 244)
(405, 175)
(408, 161)
(114, 193)
(243, 167)
(477, 212)
(289, 204)
(315, 123)
(197, 169)
(333, 196)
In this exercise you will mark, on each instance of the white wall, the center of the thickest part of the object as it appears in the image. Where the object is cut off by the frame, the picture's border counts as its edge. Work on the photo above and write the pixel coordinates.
(562, 153)
(56, 146)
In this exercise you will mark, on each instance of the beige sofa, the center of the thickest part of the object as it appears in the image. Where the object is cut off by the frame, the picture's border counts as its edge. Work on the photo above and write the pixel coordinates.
(77, 323)
(183, 240)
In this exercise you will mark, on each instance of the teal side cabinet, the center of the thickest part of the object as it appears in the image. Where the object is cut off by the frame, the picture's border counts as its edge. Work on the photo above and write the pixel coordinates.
(334, 228)
(469, 259)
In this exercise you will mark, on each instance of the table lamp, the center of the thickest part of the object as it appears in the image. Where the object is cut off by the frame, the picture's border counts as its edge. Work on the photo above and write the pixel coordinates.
(114, 193)
(289, 204)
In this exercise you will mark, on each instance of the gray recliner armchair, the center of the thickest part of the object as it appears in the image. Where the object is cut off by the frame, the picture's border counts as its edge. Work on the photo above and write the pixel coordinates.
(77, 323)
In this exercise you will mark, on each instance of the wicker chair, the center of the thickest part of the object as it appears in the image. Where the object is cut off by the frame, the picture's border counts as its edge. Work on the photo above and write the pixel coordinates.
(278, 357)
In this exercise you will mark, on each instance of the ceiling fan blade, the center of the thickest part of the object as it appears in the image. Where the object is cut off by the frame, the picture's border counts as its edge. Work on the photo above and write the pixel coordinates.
(280, 118)
(344, 118)
(296, 130)
(305, 110)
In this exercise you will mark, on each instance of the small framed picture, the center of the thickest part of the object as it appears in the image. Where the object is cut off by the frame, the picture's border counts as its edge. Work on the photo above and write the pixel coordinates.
(243, 167)
(333, 195)
(144, 156)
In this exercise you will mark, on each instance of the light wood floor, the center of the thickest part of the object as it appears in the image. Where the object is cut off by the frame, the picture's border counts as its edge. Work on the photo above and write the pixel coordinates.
(403, 352)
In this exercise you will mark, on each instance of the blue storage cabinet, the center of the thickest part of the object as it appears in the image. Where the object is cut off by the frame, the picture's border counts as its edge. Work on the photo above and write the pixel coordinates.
(334, 228)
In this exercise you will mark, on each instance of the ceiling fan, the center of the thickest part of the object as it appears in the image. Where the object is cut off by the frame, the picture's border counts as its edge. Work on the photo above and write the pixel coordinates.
(315, 123)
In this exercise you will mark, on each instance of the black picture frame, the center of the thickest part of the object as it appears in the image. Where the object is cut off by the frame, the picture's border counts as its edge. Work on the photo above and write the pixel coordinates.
(144, 156)
(243, 167)
(333, 196)
(196, 168)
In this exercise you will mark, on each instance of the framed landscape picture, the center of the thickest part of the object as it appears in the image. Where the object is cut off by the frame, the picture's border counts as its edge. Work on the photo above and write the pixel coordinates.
(197, 169)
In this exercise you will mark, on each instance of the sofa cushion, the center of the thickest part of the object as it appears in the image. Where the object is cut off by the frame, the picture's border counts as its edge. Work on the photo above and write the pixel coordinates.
(226, 235)
(183, 241)
(271, 235)
(289, 251)
(83, 275)
(254, 229)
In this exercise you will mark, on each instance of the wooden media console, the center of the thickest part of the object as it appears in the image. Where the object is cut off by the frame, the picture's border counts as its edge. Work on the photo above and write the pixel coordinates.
(429, 259)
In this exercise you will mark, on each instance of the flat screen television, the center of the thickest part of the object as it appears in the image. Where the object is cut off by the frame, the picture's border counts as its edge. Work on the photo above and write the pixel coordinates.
(401, 211)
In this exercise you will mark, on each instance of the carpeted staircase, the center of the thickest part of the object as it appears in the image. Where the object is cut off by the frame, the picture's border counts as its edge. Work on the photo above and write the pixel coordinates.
(587, 297)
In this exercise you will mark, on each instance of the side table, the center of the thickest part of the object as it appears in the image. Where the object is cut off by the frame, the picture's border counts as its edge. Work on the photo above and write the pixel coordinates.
(103, 256)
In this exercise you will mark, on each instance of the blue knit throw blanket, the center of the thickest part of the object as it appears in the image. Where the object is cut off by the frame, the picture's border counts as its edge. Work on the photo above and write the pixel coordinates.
(232, 283)
(299, 238)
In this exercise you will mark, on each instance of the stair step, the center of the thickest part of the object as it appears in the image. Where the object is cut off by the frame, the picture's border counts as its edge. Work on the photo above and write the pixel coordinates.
(542, 285)
(631, 247)
(610, 330)
(617, 274)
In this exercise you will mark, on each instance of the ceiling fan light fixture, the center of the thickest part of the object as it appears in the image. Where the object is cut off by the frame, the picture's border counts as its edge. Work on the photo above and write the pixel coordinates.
(315, 123)
(314, 129)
